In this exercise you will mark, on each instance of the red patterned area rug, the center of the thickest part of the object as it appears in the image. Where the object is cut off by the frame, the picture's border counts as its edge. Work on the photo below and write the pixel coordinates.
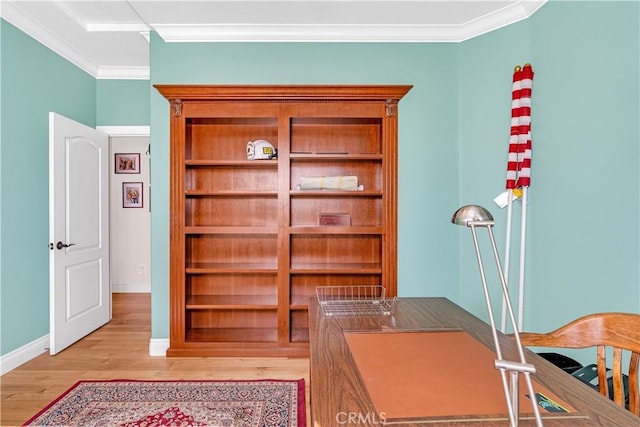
(130, 403)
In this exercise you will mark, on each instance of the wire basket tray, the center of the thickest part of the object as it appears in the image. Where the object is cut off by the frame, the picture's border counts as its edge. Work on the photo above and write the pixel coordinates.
(354, 300)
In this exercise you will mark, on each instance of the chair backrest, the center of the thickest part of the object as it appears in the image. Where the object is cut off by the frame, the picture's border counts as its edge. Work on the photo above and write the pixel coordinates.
(618, 331)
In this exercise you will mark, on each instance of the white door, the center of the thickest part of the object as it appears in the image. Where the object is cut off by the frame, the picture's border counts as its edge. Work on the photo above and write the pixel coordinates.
(80, 295)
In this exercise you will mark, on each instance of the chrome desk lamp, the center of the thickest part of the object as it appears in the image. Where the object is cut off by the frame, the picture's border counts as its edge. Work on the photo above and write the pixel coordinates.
(474, 216)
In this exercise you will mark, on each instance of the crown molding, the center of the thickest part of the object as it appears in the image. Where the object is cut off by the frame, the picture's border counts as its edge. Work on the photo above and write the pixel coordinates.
(125, 131)
(123, 73)
(28, 26)
(509, 14)
(303, 33)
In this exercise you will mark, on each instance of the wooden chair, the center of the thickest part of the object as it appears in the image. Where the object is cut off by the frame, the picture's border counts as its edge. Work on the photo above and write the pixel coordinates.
(618, 331)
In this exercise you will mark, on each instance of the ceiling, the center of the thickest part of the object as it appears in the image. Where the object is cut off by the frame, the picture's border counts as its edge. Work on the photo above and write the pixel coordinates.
(110, 38)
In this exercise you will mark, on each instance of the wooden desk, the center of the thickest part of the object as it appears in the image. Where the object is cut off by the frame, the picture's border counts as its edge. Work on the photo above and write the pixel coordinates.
(339, 395)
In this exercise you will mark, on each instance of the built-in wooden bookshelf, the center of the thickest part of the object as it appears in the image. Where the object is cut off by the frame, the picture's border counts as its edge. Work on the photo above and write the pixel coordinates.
(248, 245)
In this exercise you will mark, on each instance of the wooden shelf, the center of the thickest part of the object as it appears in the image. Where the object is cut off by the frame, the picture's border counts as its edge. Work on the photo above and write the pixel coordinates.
(335, 156)
(234, 193)
(334, 229)
(246, 250)
(230, 230)
(337, 268)
(234, 163)
(235, 302)
(238, 335)
(300, 306)
(335, 193)
(236, 268)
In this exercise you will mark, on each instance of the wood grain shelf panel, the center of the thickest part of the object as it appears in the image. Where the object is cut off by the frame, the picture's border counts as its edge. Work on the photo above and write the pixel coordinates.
(235, 302)
(332, 229)
(235, 163)
(237, 335)
(229, 267)
(238, 193)
(337, 268)
(335, 193)
(335, 156)
(231, 230)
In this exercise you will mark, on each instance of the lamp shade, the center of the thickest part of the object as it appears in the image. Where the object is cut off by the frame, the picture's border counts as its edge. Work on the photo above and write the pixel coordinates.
(471, 213)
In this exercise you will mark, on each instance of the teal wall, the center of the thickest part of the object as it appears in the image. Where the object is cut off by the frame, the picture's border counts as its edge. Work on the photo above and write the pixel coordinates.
(34, 81)
(485, 72)
(583, 250)
(584, 247)
(123, 102)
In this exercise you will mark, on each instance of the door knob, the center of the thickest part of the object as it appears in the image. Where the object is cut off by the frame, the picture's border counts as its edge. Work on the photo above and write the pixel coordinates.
(61, 245)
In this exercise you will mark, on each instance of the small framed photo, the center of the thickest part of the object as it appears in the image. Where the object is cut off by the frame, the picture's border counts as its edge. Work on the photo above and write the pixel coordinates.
(132, 194)
(127, 162)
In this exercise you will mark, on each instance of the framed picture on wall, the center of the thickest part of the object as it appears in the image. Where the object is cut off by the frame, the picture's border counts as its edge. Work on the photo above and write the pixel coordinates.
(127, 162)
(132, 194)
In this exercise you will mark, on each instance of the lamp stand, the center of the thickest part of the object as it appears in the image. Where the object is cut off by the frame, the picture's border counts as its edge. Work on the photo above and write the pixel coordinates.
(478, 217)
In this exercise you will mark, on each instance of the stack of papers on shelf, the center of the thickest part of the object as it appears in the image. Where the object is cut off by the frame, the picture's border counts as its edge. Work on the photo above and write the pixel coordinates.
(329, 183)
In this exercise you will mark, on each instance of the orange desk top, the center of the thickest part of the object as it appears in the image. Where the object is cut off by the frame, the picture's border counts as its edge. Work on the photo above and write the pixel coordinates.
(426, 374)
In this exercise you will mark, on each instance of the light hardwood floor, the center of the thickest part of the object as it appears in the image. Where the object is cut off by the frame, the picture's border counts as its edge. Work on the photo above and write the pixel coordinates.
(120, 350)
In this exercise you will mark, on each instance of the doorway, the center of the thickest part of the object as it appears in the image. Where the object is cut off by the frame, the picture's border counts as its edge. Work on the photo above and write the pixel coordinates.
(130, 197)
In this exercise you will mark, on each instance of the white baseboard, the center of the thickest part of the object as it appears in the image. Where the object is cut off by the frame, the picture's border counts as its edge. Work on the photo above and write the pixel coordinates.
(131, 289)
(11, 360)
(17, 357)
(158, 346)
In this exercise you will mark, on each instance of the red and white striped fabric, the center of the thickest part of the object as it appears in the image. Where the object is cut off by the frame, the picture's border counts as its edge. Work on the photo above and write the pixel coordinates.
(519, 157)
(512, 159)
